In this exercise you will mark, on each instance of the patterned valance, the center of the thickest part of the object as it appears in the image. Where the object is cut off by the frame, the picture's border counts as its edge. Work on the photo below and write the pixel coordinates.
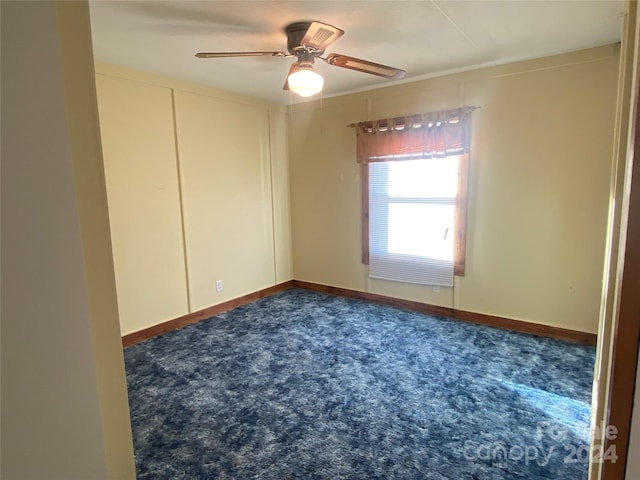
(428, 135)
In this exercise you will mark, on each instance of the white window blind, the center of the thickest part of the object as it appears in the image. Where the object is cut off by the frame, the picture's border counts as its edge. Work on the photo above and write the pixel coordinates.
(411, 220)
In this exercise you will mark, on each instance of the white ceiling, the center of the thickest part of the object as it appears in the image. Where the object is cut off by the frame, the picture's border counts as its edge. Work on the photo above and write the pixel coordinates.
(425, 37)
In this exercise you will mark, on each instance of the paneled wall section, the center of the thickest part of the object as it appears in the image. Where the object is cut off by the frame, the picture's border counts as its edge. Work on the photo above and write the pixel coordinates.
(197, 183)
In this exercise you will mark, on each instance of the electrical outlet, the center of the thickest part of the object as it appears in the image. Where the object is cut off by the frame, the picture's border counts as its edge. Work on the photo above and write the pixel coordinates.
(218, 285)
(436, 289)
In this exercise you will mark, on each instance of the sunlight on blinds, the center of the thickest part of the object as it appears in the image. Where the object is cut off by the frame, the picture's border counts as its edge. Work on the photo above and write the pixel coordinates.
(411, 223)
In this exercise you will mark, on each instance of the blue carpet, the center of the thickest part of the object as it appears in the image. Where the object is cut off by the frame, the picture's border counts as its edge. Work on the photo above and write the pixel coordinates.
(302, 385)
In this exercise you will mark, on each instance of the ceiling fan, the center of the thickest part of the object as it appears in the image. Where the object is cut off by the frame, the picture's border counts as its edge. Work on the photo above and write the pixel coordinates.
(308, 41)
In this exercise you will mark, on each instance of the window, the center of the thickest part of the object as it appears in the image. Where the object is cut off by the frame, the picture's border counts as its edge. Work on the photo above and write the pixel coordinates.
(414, 195)
(412, 212)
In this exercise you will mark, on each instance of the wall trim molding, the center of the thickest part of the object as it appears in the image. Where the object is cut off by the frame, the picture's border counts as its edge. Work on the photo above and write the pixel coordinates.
(189, 318)
(480, 318)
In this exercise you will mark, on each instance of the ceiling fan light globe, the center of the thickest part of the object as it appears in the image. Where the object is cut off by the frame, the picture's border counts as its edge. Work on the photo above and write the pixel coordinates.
(305, 82)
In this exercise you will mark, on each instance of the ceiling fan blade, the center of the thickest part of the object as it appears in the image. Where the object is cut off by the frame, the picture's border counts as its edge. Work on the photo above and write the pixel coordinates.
(365, 66)
(320, 35)
(240, 54)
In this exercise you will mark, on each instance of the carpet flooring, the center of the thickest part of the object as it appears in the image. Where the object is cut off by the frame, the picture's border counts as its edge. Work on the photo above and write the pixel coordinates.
(302, 385)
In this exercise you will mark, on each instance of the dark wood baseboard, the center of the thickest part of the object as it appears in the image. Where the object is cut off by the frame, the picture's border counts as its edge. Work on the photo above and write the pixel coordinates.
(155, 330)
(481, 318)
(373, 297)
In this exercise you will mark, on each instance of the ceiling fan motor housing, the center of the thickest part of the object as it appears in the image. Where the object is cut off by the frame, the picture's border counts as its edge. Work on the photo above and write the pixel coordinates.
(295, 33)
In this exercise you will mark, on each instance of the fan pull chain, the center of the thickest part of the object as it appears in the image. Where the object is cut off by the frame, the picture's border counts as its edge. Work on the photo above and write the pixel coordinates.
(321, 114)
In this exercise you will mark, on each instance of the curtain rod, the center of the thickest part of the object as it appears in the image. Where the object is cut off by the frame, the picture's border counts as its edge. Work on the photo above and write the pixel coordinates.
(470, 108)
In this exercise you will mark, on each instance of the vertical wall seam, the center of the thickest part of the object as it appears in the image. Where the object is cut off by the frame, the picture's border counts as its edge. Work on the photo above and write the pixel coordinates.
(273, 202)
(367, 279)
(287, 185)
(180, 199)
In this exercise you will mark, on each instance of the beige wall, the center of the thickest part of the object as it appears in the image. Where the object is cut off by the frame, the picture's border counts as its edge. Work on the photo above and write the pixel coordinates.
(538, 192)
(539, 189)
(64, 404)
(144, 200)
(226, 196)
(197, 181)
